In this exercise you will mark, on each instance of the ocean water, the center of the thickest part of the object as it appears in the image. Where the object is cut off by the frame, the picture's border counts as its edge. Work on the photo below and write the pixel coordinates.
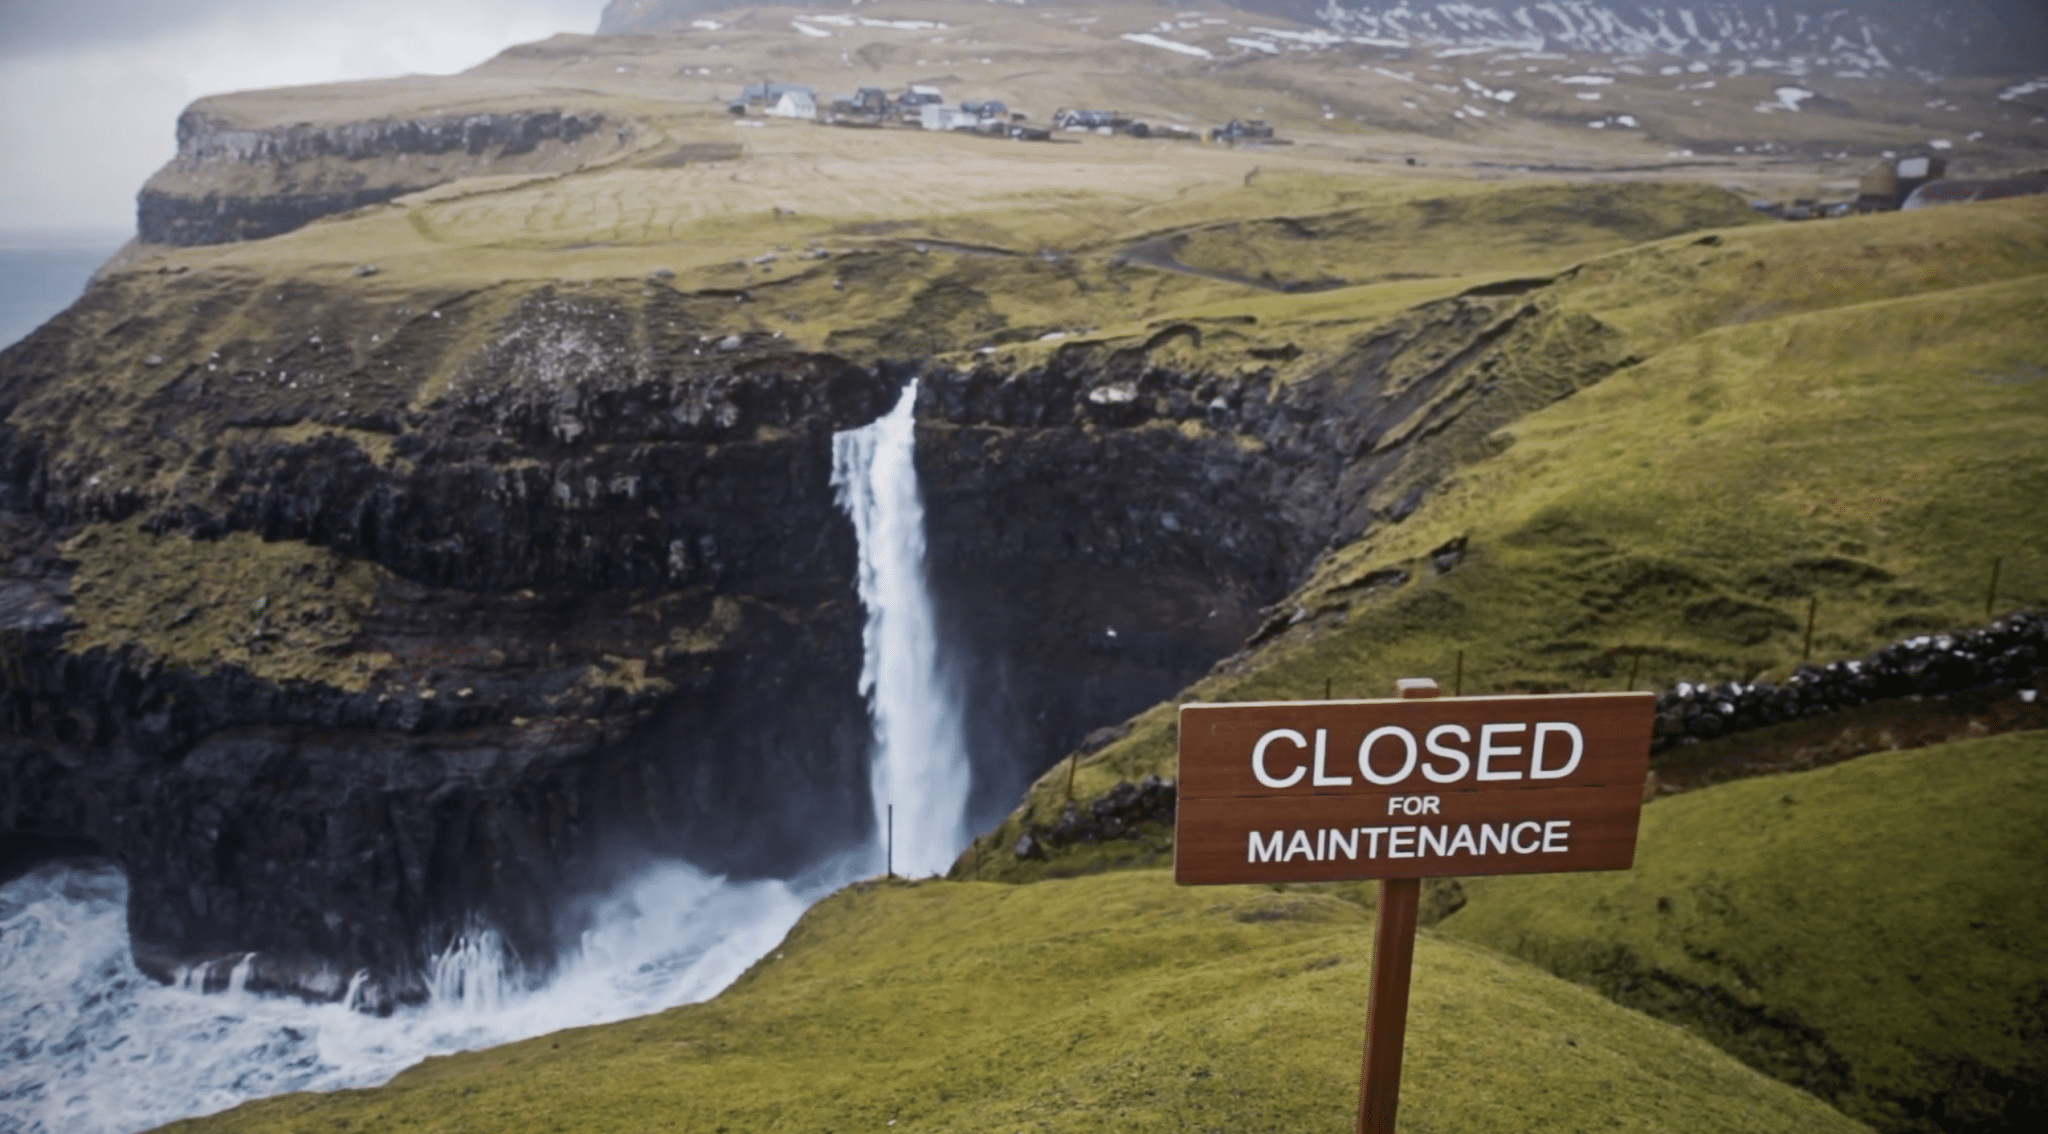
(89, 1045)
(41, 272)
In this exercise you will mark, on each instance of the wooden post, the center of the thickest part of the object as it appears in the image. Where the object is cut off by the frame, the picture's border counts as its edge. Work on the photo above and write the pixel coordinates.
(1393, 958)
(1635, 662)
(1991, 596)
(1812, 608)
(889, 855)
(1458, 678)
(1073, 761)
(1326, 688)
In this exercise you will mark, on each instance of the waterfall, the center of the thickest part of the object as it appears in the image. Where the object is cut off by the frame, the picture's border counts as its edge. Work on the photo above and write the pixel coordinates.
(919, 768)
(90, 1045)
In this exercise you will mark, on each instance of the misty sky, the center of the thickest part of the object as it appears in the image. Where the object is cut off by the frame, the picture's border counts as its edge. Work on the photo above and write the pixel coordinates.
(90, 90)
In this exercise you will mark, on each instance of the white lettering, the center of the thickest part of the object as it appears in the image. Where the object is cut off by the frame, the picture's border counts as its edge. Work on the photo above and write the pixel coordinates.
(1395, 835)
(1533, 828)
(1431, 836)
(1464, 839)
(1372, 842)
(1413, 804)
(1259, 758)
(1488, 750)
(1262, 851)
(1365, 754)
(1323, 779)
(1300, 845)
(1554, 834)
(1322, 845)
(1536, 769)
(1347, 839)
(1488, 837)
(1438, 749)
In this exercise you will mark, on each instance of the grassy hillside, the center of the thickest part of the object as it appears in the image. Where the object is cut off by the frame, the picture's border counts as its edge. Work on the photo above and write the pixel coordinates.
(1868, 931)
(1850, 413)
(1112, 1003)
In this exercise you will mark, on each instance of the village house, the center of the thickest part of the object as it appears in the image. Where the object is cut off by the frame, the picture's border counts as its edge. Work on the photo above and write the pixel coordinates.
(798, 104)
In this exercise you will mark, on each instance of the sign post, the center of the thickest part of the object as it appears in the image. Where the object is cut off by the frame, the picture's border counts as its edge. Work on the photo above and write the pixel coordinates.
(1402, 790)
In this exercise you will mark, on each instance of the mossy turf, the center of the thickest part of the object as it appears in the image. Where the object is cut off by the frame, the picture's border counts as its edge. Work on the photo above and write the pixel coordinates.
(1112, 1003)
(1871, 931)
(285, 610)
(1845, 417)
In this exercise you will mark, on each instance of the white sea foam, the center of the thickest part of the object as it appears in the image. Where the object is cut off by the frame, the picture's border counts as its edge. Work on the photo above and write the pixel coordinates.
(90, 1045)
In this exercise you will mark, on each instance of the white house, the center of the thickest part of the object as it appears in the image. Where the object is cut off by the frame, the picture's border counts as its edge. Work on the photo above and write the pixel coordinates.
(933, 117)
(796, 104)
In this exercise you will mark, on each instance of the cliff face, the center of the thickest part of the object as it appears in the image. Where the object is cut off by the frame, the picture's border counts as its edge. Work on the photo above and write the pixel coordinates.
(233, 182)
(355, 665)
(344, 617)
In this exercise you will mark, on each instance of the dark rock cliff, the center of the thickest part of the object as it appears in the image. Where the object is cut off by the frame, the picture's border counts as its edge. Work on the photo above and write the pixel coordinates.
(343, 618)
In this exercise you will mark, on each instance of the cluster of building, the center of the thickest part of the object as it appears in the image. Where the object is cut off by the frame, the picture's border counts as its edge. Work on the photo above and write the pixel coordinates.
(1911, 182)
(925, 107)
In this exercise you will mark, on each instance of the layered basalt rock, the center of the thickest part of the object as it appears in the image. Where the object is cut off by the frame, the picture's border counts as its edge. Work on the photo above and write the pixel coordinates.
(543, 605)
(232, 182)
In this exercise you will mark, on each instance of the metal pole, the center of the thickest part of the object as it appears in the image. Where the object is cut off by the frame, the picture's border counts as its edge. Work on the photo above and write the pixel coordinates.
(889, 856)
(1393, 958)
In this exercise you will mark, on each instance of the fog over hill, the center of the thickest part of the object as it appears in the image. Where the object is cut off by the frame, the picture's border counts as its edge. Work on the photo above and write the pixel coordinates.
(1970, 36)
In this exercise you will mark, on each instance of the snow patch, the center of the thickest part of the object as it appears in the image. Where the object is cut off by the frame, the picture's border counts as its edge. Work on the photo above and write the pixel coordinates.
(1791, 97)
(1150, 40)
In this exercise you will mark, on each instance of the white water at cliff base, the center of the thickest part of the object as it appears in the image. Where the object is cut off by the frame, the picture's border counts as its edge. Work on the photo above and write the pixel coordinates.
(89, 1045)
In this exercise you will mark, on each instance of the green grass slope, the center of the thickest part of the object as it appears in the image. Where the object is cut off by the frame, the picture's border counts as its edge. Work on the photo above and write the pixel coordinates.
(1851, 414)
(1873, 931)
(1112, 1003)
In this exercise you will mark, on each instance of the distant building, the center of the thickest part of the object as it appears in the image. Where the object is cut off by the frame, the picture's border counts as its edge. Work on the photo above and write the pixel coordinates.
(768, 94)
(1245, 130)
(796, 104)
(1075, 118)
(935, 117)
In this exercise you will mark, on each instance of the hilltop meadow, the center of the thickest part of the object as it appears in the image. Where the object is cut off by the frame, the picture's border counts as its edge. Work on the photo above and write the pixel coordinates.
(1633, 432)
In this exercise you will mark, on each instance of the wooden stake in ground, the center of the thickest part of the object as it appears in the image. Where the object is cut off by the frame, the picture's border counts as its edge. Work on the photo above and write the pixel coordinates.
(1991, 596)
(1393, 959)
(1812, 608)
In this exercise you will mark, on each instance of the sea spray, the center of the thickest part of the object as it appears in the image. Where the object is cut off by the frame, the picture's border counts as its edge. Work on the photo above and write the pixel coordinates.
(90, 1045)
(920, 763)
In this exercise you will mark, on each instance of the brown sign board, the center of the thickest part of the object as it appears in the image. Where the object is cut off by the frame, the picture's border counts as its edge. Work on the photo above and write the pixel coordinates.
(1325, 791)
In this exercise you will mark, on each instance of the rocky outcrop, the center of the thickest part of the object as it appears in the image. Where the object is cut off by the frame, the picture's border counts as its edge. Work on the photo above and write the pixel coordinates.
(233, 182)
(2013, 649)
(357, 617)
(608, 614)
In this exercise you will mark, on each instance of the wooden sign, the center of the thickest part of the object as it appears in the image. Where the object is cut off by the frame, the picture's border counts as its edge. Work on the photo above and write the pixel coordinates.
(1321, 791)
